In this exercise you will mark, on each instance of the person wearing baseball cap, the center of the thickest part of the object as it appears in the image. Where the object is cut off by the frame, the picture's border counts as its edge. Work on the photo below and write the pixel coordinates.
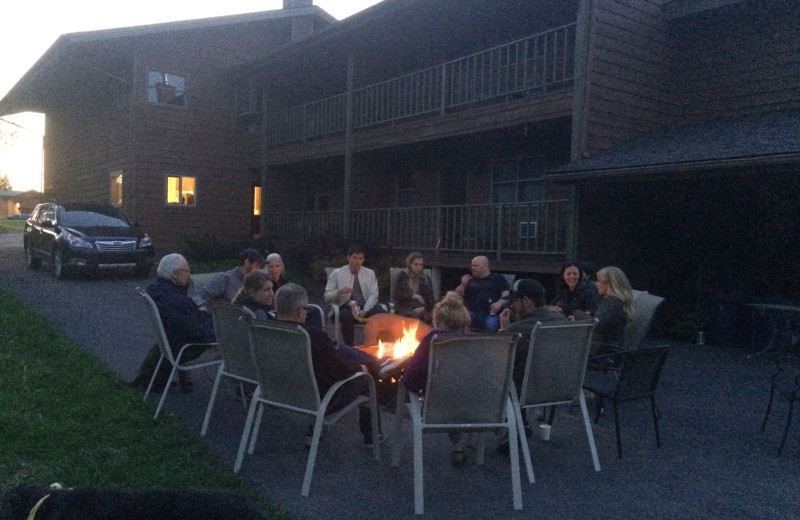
(528, 306)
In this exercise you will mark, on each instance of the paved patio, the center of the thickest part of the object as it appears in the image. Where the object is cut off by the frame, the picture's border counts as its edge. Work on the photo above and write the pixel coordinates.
(713, 464)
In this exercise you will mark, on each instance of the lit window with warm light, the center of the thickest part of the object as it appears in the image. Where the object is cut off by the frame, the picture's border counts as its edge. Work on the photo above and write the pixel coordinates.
(257, 200)
(181, 191)
(115, 189)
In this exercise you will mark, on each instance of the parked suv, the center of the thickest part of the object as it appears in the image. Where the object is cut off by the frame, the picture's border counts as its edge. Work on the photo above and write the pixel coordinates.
(85, 237)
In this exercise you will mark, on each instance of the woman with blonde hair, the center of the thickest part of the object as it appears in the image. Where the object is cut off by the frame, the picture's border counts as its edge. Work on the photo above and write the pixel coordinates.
(615, 310)
(413, 290)
(450, 316)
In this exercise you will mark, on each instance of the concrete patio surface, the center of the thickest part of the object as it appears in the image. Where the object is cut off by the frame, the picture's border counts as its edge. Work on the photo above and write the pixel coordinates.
(714, 463)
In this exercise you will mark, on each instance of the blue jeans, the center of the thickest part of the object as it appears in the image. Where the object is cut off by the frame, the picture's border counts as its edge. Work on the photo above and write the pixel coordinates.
(485, 322)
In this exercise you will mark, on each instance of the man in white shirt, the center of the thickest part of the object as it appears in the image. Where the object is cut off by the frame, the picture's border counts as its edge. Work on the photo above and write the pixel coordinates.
(354, 288)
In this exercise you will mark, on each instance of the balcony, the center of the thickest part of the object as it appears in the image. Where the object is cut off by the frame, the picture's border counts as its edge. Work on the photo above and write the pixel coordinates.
(527, 67)
(523, 232)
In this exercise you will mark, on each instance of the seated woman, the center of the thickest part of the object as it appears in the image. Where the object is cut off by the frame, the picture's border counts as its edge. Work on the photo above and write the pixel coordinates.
(413, 290)
(615, 309)
(574, 293)
(275, 269)
(450, 316)
(256, 294)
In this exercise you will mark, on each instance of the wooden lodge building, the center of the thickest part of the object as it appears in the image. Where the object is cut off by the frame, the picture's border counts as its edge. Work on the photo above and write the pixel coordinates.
(662, 136)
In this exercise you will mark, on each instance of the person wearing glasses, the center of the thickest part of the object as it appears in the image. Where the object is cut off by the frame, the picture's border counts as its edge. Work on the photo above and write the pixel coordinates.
(329, 363)
(183, 321)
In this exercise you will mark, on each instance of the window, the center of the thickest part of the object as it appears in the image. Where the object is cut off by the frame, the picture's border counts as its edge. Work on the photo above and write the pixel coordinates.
(518, 180)
(165, 88)
(115, 189)
(257, 200)
(181, 191)
(249, 98)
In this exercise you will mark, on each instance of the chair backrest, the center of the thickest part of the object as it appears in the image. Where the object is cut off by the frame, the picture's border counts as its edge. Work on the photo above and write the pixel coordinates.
(645, 306)
(281, 353)
(469, 376)
(394, 272)
(233, 338)
(155, 321)
(556, 363)
(640, 372)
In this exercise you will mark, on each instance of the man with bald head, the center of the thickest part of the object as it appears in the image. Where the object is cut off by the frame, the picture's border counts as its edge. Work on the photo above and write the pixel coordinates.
(485, 295)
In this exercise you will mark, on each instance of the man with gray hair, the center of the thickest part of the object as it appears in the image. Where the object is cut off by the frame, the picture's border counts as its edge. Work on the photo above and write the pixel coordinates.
(330, 366)
(183, 322)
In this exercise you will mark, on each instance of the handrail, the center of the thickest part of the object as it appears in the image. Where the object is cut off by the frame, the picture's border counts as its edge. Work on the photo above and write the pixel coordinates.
(520, 228)
(525, 67)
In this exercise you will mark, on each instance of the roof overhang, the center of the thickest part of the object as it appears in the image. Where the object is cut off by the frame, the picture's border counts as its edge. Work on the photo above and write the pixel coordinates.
(755, 140)
(34, 91)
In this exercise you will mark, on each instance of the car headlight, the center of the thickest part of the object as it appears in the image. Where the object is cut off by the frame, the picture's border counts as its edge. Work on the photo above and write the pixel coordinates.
(145, 241)
(74, 240)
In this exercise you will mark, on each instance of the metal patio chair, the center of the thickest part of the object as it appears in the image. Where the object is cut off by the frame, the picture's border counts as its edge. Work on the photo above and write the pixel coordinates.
(469, 380)
(178, 365)
(281, 353)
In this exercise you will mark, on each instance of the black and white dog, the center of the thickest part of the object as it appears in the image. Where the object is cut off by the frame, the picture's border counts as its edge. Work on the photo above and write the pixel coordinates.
(40, 503)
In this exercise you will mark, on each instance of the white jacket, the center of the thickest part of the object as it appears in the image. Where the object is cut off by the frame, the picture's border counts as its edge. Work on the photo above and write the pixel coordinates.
(342, 277)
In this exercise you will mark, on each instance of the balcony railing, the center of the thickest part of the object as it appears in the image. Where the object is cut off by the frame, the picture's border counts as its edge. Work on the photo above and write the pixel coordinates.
(535, 228)
(528, 66)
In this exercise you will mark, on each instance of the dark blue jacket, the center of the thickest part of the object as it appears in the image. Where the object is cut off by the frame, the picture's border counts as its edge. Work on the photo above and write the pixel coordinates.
(183, 321)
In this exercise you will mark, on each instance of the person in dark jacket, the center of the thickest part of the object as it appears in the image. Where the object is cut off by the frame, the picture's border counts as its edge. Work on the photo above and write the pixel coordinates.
(257, 295)
(574, 293)
(182, 320)
(291, 304)
(615, 310)
(413, 290)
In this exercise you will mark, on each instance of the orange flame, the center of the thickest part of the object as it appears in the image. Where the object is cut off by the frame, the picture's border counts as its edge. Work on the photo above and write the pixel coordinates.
(402, 347)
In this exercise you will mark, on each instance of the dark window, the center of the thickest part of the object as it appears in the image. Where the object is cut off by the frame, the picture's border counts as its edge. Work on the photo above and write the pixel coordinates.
(518, 180)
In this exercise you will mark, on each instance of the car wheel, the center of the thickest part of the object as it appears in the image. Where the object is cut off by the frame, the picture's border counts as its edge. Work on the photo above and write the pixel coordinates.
(30, 261)
(58, 265)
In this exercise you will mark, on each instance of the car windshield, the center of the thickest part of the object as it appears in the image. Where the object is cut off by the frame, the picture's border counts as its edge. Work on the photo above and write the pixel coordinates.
(91, 219)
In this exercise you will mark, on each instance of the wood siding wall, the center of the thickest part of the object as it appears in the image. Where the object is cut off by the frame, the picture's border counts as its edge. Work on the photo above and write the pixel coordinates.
(629, 92)
(739, 59)
(88, 139)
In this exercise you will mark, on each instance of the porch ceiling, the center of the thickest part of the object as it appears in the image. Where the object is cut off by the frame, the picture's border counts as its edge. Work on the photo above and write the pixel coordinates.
(750, 140)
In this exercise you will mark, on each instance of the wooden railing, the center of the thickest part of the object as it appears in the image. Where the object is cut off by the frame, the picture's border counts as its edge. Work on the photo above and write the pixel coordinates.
(525, 67)
(522, 229)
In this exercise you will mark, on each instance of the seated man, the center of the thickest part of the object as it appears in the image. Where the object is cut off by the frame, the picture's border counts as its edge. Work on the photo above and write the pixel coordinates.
(354, 289)
(330, 366)
(183, 322)
(226, 284)
(527, 307)
(485, 294)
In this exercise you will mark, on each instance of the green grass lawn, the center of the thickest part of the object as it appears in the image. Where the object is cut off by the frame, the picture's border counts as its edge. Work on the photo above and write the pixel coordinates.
(65, 417)
(11, 226)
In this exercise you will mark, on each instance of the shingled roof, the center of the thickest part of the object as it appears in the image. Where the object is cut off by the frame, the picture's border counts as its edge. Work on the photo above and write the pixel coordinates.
(753, 139)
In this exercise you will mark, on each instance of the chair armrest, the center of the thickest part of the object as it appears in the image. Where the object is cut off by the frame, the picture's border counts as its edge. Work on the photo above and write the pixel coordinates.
(338, 384)
(188, 346)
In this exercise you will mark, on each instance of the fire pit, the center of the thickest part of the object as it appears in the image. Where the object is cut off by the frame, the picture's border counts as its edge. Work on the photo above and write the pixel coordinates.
(395, 337)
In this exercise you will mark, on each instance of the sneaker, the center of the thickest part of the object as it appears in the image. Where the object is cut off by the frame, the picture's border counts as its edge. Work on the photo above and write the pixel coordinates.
(368, 439)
